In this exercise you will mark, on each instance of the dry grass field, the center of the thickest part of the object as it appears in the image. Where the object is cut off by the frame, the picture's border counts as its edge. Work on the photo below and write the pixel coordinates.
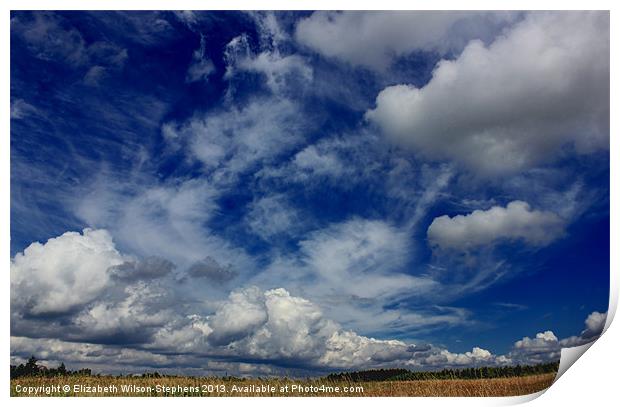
(193, 386)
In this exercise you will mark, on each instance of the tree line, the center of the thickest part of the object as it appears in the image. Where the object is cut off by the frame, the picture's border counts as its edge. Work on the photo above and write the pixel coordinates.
(31, 368)
(484, 372)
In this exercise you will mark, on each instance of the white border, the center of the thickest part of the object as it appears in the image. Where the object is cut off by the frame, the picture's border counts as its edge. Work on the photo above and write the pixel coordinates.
(592, 381)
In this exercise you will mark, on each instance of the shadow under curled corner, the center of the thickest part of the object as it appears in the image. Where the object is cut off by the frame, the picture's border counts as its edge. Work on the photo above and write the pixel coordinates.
(568, 357)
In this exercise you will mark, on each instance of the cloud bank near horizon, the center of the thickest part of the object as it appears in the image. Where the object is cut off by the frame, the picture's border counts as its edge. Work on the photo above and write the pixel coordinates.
(132, 312)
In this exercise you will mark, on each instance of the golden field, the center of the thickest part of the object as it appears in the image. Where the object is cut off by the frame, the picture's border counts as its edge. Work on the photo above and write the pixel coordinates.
(63, 386)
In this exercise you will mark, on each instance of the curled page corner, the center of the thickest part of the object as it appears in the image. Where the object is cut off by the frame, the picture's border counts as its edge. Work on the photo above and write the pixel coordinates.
(569, 356)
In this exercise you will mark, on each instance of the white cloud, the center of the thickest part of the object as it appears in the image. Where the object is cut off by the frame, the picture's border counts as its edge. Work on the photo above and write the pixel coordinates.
(188, 17)
(20, 109)
(356, 158)
(479, 353)
(95, 75)
(271, 326)
(240, 316)
(345, 349)
(48, 40)
(294, 329)
(271, 216)
(514, 104)
(127, 318)
(595, 323)
(166, 220)
(231, 141)
(170, 219)
(152, 326)
(476, 357)
(108, 298)
(277, 68)
(282, 328)
(312, 160)
(280, 70)
(65, 272)
(517, 221)
(546, 346)
(361, 257)
(543, 348)
(50, 37)
(201, 66)
(374, 39)
(150, 29)
(52, 352)
(353, 268)
(541, 341)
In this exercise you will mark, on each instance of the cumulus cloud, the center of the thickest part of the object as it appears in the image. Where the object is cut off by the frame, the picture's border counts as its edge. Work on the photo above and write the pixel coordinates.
(112, 299)
(374, 39)
(53, 351)
(65, 272)
(164, 220)
(292, 331)
(513, 104)
(353, 268)
(595, 323)
(517, 221)
(546, 346)
(272, 327)
(125, 315)
(78, 287)
(140, 318)
(476, 357)
(240, 316)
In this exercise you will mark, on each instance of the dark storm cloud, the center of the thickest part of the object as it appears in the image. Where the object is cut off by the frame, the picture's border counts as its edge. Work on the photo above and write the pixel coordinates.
(211, 270)
(147, 269)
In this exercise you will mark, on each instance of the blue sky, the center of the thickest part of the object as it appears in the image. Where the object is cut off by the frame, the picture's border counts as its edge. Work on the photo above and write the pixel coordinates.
(304, 192)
